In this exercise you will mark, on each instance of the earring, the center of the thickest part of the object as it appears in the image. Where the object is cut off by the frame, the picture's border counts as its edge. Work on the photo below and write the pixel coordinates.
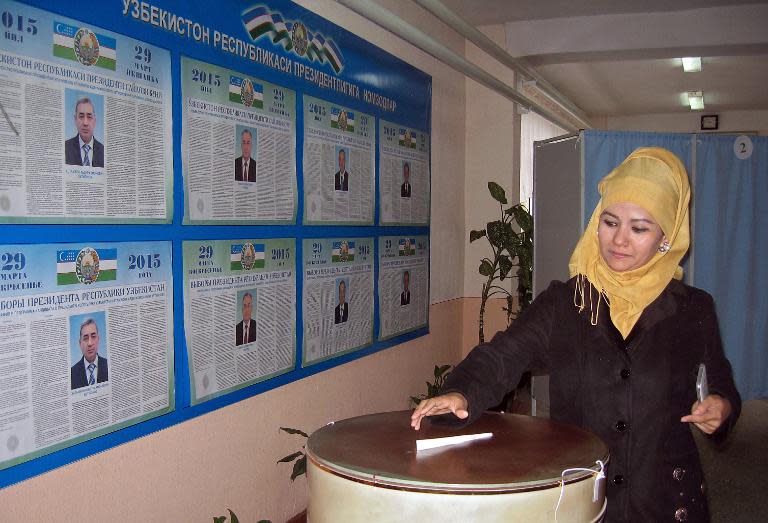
(664, 247)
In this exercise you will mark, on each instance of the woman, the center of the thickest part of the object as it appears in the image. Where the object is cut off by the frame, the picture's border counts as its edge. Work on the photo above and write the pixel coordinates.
(622, 341)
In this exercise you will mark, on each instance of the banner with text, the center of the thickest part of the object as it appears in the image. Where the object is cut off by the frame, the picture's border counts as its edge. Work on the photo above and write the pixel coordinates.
(403, 284)
(86, 342)
(239, 313)
(339, 164)
(85, 130)
(404, 171)
(239, 147)
(338, 296)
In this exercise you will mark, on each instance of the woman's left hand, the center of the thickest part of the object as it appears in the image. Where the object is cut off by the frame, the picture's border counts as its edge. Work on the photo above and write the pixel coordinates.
(709, 414)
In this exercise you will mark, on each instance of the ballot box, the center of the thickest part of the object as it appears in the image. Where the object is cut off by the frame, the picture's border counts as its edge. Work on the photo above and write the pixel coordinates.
(367, 469)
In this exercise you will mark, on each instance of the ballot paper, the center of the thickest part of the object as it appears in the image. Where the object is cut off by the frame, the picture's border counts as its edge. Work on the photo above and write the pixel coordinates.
(432, 443)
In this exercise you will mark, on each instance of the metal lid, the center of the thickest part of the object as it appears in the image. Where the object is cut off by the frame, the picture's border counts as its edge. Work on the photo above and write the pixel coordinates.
(525, 453)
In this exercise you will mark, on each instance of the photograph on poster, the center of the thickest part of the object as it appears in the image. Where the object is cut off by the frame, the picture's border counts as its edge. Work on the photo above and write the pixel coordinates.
(83, 113)
(245, 164)
(405, 296)
(245, 330)
(88, 336)
(341, 178)
(341, 313)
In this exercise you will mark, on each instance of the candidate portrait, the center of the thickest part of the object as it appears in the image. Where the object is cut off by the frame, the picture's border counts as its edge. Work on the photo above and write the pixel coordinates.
(245, 166)
(245, 330)
(405, 296)
(341, 178)
(91, 368)
(84, 149)
(405, 188)
(341, 313)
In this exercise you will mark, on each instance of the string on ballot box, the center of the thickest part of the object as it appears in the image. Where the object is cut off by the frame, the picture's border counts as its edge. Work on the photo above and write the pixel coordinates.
(596, 489)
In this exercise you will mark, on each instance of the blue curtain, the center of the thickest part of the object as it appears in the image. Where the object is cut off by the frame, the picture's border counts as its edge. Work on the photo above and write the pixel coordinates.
(729, 253)
(730, 249)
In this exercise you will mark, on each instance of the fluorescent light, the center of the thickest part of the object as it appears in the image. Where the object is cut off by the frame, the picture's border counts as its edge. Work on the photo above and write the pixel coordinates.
(692, 64)
(696, 100)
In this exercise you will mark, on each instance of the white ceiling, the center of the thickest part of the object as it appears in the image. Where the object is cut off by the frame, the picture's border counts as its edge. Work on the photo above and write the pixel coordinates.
(622, 57)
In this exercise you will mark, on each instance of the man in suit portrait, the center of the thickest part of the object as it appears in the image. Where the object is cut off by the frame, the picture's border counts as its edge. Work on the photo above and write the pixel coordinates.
(405, 296)
(91, 368)
(84, 149)
(245, 167)
(405, 188)
(342, 176)
(245, 331)
(341, 314)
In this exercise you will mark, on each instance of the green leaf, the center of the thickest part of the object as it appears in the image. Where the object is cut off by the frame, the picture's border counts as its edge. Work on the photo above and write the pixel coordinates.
(495, 233)
(497, 192)
(486, 269)
(294, 431)
(504, 266)
(290, 457)
(476, 235)
(442, 369)
(219, 519)
(522, 217)
(263, 521)
(415, 400)
(233, 517)
(299, 468)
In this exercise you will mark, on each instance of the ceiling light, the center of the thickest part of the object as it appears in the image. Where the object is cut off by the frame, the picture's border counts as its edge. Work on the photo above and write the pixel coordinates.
(696, 100)
(692, 64)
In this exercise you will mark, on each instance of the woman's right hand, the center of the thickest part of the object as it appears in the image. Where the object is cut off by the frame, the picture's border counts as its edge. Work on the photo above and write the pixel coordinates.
(452, 402)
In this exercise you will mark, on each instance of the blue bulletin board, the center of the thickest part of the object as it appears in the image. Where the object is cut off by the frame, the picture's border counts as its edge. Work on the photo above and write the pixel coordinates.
(211, 203)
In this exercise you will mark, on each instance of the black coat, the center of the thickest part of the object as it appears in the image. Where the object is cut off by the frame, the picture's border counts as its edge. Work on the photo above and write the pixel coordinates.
(72, 154)
(631, 393)
(78, 377)
(250, 175)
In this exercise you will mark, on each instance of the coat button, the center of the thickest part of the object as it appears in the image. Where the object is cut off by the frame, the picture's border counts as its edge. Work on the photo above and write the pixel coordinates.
(621, 426)
(681, 514)
(678, 473)
(618, 479)
(624, 373)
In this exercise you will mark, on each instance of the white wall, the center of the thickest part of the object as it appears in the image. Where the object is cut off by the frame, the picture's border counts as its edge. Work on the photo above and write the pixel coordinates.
(492, 133)
(729, 121)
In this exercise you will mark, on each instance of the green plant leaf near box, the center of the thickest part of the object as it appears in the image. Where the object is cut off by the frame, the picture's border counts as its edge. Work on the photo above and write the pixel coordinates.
(299, 458)
(433, 389)
(511, 242)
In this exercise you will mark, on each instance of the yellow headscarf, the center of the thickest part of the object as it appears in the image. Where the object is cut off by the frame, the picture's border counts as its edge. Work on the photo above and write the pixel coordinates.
(656, 180)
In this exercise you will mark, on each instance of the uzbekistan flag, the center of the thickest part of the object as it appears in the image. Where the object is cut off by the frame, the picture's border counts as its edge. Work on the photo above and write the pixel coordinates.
(64, 45)
(281, 31)
(235, 92)
(66, 266)
(258, 22)
(410, 251)
(334, 55)
(411, 139)
(315, 46)
(335, 112)
(337, 252)
(236, 256)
